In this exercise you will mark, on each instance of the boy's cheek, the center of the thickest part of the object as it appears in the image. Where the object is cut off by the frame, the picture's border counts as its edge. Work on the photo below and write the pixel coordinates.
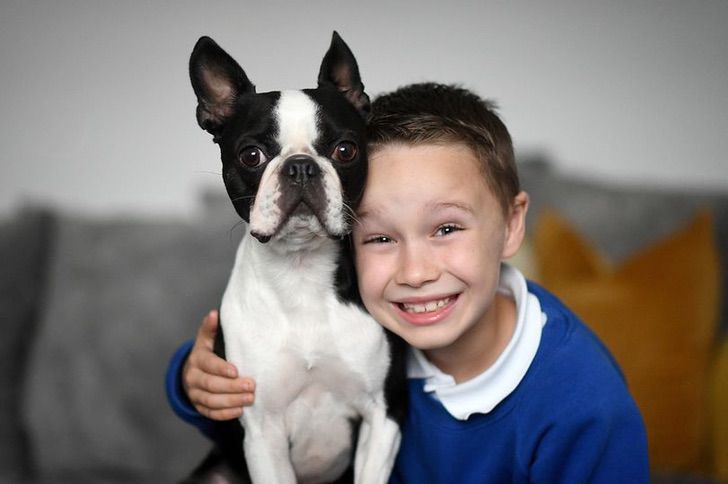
(364, 280)
(363, 263)
(367, 279)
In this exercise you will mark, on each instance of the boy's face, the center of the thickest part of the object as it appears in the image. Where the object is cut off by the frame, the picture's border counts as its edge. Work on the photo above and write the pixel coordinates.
(429, 243)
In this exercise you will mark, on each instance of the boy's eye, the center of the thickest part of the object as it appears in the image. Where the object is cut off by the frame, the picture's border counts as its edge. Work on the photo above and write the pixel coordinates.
(447, 229)
(378, 239)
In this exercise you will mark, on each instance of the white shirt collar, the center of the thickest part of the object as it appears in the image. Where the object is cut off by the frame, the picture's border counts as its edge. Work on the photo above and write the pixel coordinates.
(482, 393)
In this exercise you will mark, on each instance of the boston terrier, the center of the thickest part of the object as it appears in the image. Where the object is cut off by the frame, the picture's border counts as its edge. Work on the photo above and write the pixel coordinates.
(331, 391)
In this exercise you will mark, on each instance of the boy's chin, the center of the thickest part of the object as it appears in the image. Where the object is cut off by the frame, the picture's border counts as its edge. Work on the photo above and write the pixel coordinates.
(429, 342)
(424, 338)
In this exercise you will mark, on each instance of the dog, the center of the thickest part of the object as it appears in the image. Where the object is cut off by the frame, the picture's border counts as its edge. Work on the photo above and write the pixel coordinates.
(331, 388)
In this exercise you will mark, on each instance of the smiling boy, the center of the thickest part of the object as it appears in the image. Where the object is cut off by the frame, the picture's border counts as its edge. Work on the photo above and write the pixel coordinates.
(428, 254)
(505, 383)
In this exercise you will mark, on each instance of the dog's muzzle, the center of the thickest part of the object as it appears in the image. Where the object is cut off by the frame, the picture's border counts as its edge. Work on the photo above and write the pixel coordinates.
(302, 194)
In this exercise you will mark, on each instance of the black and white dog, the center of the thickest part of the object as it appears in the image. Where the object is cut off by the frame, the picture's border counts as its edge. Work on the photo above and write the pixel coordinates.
(331, 389)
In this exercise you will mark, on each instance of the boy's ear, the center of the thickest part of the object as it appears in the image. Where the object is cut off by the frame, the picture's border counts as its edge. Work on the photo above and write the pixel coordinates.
(217, 81)
(515, 225)
(339, 69)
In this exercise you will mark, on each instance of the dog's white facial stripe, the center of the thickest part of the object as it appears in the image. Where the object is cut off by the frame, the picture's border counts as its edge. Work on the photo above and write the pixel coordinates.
(297, 123)
(295, 115)
(297, 127)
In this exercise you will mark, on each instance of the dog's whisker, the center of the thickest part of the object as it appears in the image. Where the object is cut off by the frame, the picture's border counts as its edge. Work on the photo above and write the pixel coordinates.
(350, 214)
(243, 197)
(234, 227)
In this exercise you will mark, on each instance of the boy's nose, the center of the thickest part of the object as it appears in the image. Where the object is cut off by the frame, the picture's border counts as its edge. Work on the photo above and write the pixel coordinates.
(416, 266)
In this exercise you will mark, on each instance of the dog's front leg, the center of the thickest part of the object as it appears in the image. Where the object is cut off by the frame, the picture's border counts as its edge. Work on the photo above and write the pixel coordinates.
(379, 439)
(266, 449)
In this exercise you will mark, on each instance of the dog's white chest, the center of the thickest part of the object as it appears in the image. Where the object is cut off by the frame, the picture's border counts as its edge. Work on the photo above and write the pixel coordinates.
(292, 341)
(319, 365)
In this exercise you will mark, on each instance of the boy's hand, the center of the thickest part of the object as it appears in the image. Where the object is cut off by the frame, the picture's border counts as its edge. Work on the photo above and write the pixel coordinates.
(211, 383)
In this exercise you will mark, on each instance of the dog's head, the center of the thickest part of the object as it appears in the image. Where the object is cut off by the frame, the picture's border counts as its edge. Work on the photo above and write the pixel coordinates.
(294, 162)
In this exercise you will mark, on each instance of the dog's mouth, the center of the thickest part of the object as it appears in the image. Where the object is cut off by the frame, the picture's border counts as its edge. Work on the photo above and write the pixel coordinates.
(301, 219)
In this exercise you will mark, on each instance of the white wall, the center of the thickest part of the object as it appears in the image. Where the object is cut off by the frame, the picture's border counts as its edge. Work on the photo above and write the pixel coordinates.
(96, 111)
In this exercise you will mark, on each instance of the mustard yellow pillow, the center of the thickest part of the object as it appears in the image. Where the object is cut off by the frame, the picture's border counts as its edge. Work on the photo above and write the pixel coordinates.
(719, 408)
(657, 313)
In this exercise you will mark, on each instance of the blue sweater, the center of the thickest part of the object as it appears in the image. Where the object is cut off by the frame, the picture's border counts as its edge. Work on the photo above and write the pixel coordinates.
(571, 420)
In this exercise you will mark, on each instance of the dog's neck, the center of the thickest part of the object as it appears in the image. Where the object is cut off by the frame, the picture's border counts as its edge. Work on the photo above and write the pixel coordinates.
(274, 274)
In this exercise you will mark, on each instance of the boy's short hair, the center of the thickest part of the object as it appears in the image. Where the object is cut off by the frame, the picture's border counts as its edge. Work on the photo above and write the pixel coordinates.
(440, 113)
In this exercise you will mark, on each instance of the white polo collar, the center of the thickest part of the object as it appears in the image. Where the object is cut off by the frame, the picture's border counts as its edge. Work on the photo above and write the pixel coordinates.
(482, 393)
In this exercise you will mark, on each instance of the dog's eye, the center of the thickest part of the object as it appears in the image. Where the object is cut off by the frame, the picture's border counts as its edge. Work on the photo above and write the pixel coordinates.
(345, 151)
(252, 156)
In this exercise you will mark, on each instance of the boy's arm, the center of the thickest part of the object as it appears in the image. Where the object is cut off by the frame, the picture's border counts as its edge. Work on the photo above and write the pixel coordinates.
(203, 388)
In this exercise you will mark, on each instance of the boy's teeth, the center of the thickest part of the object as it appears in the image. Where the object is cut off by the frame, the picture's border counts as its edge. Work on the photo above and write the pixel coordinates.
(425, 308)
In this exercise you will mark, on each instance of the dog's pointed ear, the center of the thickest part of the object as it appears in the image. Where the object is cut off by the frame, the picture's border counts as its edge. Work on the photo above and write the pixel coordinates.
(339, 69)
(218, 81)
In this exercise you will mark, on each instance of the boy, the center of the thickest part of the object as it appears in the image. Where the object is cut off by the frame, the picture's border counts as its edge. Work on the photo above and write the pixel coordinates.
(506, 384)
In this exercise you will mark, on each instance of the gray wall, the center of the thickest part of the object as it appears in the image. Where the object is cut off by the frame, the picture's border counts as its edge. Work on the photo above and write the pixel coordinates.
(97, 113)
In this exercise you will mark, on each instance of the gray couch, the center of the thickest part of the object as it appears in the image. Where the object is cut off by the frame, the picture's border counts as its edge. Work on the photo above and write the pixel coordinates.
(92, 309)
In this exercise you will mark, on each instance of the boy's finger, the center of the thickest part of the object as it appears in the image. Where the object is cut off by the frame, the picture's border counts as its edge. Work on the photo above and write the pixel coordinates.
(224, 414)
(220, 385)
(213, 364)
(208, 330)
(221, 402)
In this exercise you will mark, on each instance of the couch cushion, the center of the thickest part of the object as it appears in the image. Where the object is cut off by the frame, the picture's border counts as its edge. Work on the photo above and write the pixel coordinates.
(25, 241)
(657, 313)
(123, 295)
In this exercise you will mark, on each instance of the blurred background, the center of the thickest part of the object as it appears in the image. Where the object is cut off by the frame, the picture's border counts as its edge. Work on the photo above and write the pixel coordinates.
(116, 236)
(98, 113)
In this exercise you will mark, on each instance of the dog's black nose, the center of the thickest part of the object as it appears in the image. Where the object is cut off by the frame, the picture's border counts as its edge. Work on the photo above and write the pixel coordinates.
(301, 168)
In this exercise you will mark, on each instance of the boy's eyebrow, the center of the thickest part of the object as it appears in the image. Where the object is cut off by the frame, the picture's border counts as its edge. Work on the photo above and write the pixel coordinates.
(431, 207)
(366, 213)
(436, 206)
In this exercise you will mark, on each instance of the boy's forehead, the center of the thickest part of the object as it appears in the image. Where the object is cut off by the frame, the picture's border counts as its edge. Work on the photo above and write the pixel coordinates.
(451, 154)
(435, 177)
(422, 165)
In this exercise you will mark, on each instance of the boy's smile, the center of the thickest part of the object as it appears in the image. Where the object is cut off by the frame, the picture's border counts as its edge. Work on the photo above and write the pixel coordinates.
(428, 310)
(429, 244)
